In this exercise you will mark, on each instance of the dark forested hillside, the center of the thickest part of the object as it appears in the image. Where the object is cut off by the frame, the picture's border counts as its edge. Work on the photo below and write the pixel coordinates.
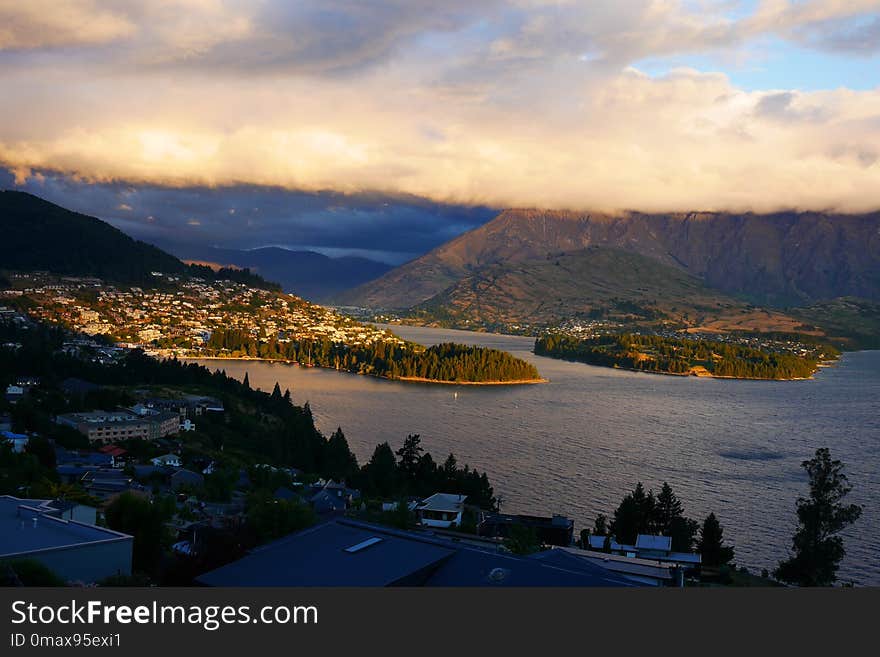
(41, 236)
(38, 235)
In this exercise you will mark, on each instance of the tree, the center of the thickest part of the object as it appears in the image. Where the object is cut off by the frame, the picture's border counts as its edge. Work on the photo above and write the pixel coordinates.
(145, 520)
(818, 550)
(246, 382)
(600, 526)
(711, 543)
(669, 520)
(409, 456)
(339, 463)
(268, 518)
(381, 471)
(667, 509)
(634, 516)
(522, 540)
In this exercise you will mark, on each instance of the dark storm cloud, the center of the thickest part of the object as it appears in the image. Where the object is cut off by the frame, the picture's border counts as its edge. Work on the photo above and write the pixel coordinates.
(244, 217)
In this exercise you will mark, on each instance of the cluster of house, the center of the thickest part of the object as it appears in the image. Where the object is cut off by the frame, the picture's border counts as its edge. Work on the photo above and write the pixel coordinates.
(187, 314)
(340, 550)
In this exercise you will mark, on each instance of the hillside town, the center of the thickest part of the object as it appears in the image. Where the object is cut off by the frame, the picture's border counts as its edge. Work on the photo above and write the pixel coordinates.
(177, 316)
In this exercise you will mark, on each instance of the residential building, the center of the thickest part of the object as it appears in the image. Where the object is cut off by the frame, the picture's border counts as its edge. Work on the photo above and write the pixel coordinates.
(167, 460)
(18, 441)
(442, 510)
(107, 427)
(345, 552)
(75, 551)
(648, 547)
(554, 530)
(639, 571)
(70, 510)
(183, 478)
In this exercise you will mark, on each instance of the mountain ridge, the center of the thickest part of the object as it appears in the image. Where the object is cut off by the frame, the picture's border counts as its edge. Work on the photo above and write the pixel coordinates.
(306, 273)
(779, 259)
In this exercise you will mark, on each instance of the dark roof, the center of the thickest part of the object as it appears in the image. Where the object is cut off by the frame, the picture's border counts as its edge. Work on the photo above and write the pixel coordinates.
(317, 557)
(344, 552)
(23, 536)
(284, 493)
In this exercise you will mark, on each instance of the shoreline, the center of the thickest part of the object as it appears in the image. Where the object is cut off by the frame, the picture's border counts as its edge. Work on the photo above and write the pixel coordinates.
(812, 377)
(405, 379)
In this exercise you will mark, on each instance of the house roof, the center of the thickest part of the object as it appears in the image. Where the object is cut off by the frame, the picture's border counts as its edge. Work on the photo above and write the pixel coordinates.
(443, 502)
(652, 542)
(22, 537)
(598, 543)
(317, 557)
(344, 552)
(623, 565)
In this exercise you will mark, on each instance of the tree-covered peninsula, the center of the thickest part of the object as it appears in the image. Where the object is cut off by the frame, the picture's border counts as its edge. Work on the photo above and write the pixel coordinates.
(447, 363)
(681, 356)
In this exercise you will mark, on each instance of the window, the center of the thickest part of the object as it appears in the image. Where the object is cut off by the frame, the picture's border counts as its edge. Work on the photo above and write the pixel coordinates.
(363, 545)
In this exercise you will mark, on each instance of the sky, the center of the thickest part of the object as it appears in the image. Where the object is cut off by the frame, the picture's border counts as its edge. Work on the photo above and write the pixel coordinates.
(386, 127)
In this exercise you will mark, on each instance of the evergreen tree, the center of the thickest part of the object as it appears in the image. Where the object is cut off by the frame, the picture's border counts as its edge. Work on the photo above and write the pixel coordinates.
(409, 456)
(381, 471)
(276, 393)
(246, 382)
(634, 516)
(818, 550)
(339, 463)
(600, 526)
(667, 509)
(711, 543)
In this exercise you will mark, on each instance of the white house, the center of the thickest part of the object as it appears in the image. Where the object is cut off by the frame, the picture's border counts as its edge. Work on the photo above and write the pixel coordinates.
(441, 510)
(170, 460)
(18, 441)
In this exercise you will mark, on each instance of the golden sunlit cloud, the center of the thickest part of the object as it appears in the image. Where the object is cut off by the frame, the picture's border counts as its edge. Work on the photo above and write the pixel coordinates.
(517, 112)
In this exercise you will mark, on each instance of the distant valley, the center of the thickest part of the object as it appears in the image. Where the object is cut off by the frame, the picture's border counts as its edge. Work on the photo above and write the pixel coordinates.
(308, 274)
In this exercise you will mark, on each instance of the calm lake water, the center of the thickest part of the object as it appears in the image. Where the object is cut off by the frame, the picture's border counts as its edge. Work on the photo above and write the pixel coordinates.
(576, 445)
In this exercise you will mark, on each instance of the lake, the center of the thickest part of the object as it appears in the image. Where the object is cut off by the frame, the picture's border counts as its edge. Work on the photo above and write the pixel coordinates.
(577, 444)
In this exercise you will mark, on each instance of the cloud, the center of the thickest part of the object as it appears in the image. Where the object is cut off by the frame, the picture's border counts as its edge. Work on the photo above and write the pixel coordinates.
(526, 103)
(56, 23)
(392, 229)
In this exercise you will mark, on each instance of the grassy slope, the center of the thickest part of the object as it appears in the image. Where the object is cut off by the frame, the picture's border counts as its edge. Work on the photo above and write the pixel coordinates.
(596, 282)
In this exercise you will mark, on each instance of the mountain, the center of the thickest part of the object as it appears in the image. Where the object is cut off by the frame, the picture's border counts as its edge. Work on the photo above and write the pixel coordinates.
(593, 283)
(779, 260)
(39, 235)
(308, 274)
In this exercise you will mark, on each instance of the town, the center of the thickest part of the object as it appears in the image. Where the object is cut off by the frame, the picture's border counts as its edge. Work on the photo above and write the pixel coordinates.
(178, 315)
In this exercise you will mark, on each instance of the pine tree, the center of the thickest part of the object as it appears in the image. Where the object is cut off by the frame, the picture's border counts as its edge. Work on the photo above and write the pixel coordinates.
(711, 543)
(409, 456)
(246, 382)
(818, 550)
(339, 463)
